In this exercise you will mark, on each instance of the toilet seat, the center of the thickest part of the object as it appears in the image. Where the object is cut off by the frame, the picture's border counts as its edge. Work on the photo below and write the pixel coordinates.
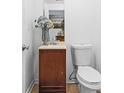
(88, 75)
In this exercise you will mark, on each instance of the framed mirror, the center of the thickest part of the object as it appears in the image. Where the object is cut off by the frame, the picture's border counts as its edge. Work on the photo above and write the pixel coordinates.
(54, 10)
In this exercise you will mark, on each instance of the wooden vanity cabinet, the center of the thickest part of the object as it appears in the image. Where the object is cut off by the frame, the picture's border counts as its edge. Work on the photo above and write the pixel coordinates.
(52, 71)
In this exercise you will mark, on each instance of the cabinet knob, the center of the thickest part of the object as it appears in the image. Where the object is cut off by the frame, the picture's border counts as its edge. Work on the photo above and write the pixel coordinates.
(61, 73)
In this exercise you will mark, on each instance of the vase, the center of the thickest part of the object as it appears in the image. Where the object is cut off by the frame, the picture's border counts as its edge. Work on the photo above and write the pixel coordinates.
(45, 37)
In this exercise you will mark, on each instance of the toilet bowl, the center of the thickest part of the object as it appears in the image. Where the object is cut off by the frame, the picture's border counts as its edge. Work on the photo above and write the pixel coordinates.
(89, 77)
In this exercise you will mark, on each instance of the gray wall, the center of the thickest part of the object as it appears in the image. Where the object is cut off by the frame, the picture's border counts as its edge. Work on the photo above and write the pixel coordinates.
(27, 38)
(82, 25)
(37, 37)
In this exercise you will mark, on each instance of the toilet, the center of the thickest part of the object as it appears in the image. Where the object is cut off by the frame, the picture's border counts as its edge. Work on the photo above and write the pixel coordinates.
(89, 79)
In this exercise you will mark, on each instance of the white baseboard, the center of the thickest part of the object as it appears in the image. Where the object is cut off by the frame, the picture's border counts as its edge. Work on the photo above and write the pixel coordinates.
(30, 86)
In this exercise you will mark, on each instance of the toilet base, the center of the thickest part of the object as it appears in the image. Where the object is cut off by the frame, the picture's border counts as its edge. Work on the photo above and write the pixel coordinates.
(86, 90)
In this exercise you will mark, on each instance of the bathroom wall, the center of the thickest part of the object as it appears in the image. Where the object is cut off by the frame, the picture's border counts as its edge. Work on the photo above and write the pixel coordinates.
(37, 37)
(27, 38)
(82, 25)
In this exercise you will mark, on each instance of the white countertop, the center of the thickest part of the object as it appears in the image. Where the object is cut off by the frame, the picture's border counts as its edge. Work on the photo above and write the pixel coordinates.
(59, 46)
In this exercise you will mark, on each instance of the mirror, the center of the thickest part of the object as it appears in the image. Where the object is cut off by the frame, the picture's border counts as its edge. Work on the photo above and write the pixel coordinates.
(54, 10)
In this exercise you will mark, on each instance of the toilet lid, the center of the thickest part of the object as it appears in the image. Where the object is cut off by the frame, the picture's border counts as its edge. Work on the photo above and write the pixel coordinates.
(89, 74)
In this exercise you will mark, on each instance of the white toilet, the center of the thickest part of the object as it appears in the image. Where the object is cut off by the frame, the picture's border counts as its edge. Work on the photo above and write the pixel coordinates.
(88, 78)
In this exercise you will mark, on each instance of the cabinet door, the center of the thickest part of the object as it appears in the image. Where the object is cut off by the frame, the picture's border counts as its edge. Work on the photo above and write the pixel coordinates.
(52, 70)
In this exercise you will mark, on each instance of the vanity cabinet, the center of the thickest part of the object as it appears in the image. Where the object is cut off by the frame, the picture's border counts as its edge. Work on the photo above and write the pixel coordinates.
(52, 70)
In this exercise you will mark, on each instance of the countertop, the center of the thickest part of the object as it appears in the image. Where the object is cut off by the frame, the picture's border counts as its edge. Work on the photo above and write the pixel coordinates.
(58, 46)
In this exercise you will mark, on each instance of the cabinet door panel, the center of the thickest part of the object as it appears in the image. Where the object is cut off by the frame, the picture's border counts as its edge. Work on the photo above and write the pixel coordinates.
(52, 70)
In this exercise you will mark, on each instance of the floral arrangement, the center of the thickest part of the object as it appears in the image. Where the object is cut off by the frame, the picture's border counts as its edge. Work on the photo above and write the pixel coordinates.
(45, 24)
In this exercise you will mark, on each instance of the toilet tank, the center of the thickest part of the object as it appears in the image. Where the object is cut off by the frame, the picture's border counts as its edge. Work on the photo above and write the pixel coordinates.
(81, 54)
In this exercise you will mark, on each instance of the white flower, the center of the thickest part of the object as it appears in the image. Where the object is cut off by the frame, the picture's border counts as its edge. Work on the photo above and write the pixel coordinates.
(44, 23)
